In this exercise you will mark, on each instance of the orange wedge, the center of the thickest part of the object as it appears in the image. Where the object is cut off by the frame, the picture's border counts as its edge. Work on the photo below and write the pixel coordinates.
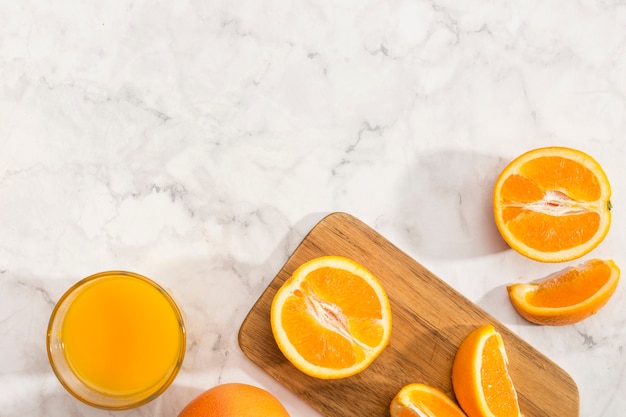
(418, 400)
(331, 318)
(553, 204)
(567, 296)
(482, 384)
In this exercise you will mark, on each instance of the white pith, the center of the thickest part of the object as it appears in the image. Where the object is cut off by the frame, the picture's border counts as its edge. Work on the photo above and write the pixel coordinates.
(409, 405)
(555, 203)
(404, 401)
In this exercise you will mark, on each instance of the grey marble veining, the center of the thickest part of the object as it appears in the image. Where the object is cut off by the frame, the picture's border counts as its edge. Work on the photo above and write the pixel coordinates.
(197, 142)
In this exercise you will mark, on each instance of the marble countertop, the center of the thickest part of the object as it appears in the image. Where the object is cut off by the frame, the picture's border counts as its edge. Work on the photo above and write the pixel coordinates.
(198, 142)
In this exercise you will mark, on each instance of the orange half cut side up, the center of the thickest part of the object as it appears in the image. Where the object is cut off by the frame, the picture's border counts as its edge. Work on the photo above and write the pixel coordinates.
(331, 318)
(553, 204)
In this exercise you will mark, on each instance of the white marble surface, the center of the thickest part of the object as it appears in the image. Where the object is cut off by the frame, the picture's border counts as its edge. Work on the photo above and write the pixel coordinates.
(196, 142)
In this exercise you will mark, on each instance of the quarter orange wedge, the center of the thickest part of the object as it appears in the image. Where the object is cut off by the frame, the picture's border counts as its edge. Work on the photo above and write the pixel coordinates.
(331, 318)
(553, 204)
(480, 378)
(567, 296)
(419, 400)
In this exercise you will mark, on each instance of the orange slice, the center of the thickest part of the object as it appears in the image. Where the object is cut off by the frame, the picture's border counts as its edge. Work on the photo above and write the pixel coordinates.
(567, 296)
(331, 318)
(553, 204)
(482, 384)
(419, 400)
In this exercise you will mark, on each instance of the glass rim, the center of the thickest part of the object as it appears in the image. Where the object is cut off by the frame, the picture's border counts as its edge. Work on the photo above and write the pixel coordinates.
(151, 394)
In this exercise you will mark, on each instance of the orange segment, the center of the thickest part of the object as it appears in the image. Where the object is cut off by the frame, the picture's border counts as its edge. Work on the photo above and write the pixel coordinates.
(565, 171)
(553, 204)
(568, 296)
(418, 400)
(331, 318)
(482, 384)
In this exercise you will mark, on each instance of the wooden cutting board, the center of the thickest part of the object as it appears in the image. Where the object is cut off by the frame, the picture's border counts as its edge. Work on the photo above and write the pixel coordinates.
(430, 319)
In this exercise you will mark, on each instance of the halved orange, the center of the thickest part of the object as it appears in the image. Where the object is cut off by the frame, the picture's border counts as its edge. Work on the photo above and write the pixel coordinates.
(553, 204)
(331, 318)
(567, 296)
(480, 378)
(418, 400)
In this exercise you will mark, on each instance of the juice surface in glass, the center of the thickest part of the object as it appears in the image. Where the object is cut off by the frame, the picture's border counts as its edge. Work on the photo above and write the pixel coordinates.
(122, 335)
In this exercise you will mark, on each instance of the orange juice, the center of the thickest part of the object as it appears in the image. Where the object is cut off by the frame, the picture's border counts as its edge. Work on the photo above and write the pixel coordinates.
(122, 335)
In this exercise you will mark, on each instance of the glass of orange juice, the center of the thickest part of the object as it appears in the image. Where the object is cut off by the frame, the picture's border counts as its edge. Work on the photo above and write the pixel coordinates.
(116, 340)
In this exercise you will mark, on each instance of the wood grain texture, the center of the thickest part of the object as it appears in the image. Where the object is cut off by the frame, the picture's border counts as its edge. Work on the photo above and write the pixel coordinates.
(430, 319)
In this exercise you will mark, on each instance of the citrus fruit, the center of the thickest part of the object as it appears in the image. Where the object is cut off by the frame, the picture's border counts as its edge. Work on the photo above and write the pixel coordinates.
(418, 400)
(567, 296)
(482, 384)
(331, 318)
(553, 204)
(234, 400)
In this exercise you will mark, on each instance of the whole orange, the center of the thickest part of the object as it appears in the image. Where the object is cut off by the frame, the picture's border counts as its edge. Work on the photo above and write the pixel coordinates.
(234, 400)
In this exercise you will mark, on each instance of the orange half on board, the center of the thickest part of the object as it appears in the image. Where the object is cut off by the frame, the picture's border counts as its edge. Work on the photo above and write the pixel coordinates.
(480, 378)
(567, 296)
(331, 318)
(553, 204)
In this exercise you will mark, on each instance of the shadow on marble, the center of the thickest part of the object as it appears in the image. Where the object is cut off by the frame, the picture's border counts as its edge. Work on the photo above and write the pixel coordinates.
(445, 205)
(177, 396)
(496, 302)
